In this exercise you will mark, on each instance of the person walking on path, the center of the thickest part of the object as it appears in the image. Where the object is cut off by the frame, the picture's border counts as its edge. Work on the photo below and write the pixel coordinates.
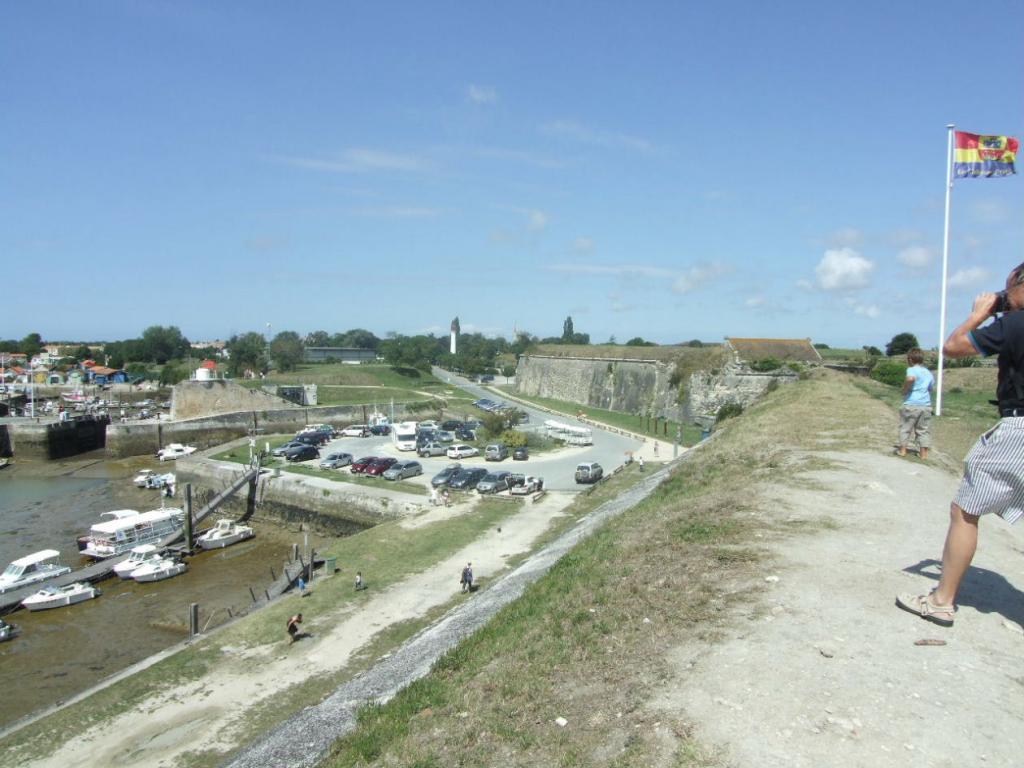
(467, 578)
(916, 411)
(360, 584)
(993, 481)
(293, 627)
(655, 449)
(433, 496)
(640, 460)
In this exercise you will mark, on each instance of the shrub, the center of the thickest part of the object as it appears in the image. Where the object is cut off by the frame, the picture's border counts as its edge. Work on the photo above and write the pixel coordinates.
(728, 411)
(772, 386)
(513, 438)
(890, 372)
(766, 364)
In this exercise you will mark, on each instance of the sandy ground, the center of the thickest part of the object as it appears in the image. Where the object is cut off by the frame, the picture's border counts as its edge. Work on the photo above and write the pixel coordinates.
(830, 673)
(204, 712)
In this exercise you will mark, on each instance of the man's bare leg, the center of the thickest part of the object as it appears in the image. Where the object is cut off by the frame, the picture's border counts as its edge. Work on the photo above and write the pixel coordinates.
(957, 554)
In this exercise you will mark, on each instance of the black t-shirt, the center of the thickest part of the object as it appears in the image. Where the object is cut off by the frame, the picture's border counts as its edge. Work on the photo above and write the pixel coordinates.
(1005, 336)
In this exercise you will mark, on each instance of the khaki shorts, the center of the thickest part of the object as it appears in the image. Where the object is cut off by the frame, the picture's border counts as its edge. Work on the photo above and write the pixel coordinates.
(916, 423)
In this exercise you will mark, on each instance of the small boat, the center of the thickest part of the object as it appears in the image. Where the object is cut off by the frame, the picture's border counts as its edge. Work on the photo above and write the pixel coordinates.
(224, 534)
(157, 482)
(142, 479)
(158, 570)
(33, 568)
(58, 597)
(142, 554)
(175, 451)
(7, 631)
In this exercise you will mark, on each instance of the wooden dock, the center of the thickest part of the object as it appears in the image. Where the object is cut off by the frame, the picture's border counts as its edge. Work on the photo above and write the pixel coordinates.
(103, 569)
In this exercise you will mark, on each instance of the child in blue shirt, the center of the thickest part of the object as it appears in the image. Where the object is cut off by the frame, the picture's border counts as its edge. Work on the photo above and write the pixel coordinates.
(916, 411)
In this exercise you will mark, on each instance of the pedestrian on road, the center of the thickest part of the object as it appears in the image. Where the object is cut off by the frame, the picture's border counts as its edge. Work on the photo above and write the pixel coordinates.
(993, 481)
(467, 578)
(360, 584)
(640, 460)
(447, 498)
(433, 497)
(293, 627)
(655, 449)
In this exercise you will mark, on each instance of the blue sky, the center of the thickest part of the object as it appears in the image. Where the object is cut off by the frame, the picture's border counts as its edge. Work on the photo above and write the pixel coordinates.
(669, 170)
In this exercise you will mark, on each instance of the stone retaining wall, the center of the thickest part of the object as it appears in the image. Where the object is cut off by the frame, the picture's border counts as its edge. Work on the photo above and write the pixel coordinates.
(193, 399)
(283, 497)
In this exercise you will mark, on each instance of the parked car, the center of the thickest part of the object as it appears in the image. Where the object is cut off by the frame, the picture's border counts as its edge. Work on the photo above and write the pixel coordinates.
(429, 424)
(445, 437)
(380, 429)
(496, 452)
(472, 424)
(441, 478)
(335, 460)
(462, 451)
(432, 449)
(451, 425)
(466, 479)
(465, 434)
(302, 453)
(359, 465)
(525, 485)
(356, 430)
(379, 466)
(282, 449)
(522, 453)
(493, 482)
(312, 438)
(589, 472)
(403, 469)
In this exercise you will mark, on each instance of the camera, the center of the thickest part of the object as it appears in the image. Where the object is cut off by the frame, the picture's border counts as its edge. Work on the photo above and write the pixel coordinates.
(1002, 303)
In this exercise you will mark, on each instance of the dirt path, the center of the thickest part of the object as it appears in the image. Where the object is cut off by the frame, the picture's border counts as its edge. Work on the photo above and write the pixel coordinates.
(829, 674)
(202, 714)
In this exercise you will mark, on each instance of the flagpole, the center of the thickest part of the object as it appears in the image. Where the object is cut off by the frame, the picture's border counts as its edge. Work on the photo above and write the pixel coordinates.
(945, 266)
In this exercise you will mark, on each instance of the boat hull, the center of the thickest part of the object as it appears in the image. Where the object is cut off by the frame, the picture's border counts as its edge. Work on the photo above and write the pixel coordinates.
(39, 602)
(161, 574)
(225, 541)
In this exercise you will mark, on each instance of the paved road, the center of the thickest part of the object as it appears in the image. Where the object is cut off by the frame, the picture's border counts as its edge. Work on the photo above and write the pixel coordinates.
(557, 468)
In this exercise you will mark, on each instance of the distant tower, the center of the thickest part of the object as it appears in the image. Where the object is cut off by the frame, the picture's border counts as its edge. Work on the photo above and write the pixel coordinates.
(455, 334)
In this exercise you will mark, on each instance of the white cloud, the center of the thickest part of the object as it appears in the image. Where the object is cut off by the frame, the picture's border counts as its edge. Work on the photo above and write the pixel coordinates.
(481, 94)
(915, 256)
(696, 276)
(990, 212)
(536, 221)
(963, 278)
(583, 245)
(595, 136)
(627, 270)
(864, 310)
(395, 212)
(356, 160)
(754, 301)
(847, 237)
(843, 269)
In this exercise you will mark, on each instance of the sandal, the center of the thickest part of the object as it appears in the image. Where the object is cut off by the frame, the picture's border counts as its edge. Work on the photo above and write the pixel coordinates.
(923, 606)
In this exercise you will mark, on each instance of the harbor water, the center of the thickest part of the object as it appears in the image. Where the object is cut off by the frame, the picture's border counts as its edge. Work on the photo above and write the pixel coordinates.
(61, 652)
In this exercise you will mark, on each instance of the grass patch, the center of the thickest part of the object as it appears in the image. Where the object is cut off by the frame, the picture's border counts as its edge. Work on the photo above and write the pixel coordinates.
(344, 476)
(382, 396)
(340, 374)
(662, 429)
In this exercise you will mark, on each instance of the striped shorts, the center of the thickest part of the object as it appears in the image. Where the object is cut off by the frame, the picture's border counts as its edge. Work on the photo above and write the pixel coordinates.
(994, 473)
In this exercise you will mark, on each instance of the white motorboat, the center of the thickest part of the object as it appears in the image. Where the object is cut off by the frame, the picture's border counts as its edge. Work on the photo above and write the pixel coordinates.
(224, 534)
(130, 529)
(142, 554)
(142, 479)
(58, 597)
(161, 481)
(175, 451)
(158, 570)
(33, 568)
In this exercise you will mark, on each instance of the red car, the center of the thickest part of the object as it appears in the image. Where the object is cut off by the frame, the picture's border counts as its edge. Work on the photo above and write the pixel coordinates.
(378, 466)
(359, 465)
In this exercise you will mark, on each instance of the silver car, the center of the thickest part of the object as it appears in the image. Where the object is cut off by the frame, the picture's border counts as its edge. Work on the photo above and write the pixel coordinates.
(335, 460)
(403, 469)
(493, 482)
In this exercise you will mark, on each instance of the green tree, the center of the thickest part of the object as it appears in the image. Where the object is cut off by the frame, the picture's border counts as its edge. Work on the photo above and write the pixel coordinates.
(900, 344)
(872, 351)
(161, 344)
(567, 332)
(82, 353)
(508, 371)
(637, 341)
(31, 345)
(246, 352)
(172, 374)
(318, 339)
(286, 350)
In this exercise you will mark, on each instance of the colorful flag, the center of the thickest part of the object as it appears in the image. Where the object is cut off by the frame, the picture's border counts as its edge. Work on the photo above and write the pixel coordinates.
(977, 155)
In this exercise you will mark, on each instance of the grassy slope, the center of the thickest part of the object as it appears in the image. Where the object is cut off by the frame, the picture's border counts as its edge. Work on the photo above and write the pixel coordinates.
(588, 642)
